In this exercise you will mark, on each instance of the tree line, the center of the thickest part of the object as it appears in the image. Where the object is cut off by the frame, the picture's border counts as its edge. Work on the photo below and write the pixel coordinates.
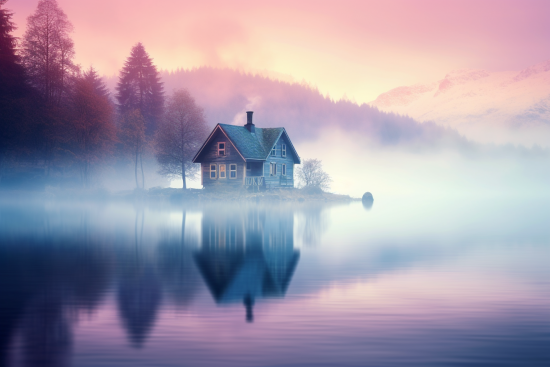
(59, 122)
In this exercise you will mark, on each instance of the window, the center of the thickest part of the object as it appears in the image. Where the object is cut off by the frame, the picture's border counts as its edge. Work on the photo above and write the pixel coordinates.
(232, 171)
(273, 169)
(283, 150)
(283, 170)
(213, 171)
(221, 149)
(222, 171)
(274, 151)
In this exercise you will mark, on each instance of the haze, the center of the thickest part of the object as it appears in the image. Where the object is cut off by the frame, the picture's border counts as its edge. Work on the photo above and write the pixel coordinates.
(351, 49)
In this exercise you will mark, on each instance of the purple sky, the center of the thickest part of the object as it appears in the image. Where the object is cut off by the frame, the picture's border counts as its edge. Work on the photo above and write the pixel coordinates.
(357, 48)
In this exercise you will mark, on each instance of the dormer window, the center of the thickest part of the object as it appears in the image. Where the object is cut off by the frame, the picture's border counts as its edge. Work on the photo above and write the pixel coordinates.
(274, 151)
(221, 149)
(283, 150)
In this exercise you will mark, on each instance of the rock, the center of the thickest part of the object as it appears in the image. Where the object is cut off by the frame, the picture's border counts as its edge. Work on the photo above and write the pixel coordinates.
(367, 196)
(367, 200)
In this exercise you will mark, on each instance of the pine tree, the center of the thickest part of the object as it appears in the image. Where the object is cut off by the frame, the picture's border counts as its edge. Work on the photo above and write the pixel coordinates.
(140, 88)
(13, 87)
(12, 75)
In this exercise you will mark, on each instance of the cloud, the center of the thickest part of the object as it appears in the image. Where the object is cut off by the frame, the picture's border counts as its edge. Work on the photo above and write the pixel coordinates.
(216, 40)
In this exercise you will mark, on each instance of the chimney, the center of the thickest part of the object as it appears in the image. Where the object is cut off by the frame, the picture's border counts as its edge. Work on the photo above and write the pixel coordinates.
(249, 125)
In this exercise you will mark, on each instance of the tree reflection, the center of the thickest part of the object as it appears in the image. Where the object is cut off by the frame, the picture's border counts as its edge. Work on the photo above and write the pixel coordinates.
(47, 332)
(179, 275)
(48, 284)
(313, 222)
(57, 263)
(140, 289)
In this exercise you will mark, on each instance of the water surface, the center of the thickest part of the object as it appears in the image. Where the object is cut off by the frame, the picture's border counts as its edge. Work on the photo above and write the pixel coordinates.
(416, 282)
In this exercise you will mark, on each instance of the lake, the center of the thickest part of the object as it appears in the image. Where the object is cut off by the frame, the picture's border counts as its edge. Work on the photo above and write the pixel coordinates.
(411, 281)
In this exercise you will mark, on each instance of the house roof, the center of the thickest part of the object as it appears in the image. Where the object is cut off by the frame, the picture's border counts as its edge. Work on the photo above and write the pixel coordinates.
(251, 146)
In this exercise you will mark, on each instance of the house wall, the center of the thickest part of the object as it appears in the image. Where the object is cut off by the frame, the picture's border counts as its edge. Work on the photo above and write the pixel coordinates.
(231, 157)
(275, 181)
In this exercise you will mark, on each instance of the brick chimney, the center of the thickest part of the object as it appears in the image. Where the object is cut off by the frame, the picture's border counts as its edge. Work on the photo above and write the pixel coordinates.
(249, 125)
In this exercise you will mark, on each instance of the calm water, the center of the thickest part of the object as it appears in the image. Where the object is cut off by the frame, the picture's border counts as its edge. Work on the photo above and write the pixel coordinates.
(419, 282)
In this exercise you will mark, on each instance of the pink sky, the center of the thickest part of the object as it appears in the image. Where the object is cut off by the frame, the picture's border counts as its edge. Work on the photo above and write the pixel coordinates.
(357, 48)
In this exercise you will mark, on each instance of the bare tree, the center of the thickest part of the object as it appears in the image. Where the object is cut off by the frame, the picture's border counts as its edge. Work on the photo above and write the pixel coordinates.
(91, 130)
(311, 174)
(48, 51)
(180, 134)
(132, 135)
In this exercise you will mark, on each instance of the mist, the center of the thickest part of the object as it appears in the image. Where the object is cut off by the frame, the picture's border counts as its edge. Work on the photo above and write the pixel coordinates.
(359, 164)
(365, 149)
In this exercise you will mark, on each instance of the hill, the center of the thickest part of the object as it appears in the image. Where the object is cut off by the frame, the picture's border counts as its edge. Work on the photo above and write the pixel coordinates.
(226, 94)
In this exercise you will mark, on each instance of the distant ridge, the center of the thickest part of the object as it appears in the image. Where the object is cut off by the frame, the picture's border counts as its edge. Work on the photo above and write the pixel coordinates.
(226, 94)
(499, 107)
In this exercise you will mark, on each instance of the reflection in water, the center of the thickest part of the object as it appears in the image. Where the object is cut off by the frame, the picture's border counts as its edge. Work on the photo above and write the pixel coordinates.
(47, 332)
(139, 291)
(77, 281)
(247, 255)
(139, 298)
(179, 275)
(43, 286)
(367, 204)
(313, 223)
(53, 267)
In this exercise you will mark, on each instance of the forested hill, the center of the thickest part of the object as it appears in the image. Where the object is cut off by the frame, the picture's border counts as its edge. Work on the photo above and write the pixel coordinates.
(226, 94)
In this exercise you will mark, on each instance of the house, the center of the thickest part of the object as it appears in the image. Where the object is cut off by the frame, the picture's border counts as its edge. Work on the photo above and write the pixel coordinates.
(249, 156)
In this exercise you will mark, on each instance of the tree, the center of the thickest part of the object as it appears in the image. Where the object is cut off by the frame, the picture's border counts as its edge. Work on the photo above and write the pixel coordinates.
(132, 135)
(13, 86)
(48, 51)
(47, 55)
(91, 130)
(139, 87)
(311, 174)
(180, 134)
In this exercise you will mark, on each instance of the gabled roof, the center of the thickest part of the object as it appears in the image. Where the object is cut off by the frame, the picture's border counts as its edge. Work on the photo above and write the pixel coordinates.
(251, 146)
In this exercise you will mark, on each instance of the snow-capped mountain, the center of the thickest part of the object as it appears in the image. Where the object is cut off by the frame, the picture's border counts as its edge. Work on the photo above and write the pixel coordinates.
(498, 107)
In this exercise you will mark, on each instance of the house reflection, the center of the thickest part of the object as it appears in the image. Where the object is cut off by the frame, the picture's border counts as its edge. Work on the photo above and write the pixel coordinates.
(247, 255)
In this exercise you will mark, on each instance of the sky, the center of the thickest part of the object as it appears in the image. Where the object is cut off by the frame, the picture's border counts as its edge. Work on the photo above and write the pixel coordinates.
(347, 49)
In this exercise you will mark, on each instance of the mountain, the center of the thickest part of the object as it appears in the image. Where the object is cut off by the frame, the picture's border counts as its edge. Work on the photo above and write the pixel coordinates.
(488, 107)
(226, 94)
